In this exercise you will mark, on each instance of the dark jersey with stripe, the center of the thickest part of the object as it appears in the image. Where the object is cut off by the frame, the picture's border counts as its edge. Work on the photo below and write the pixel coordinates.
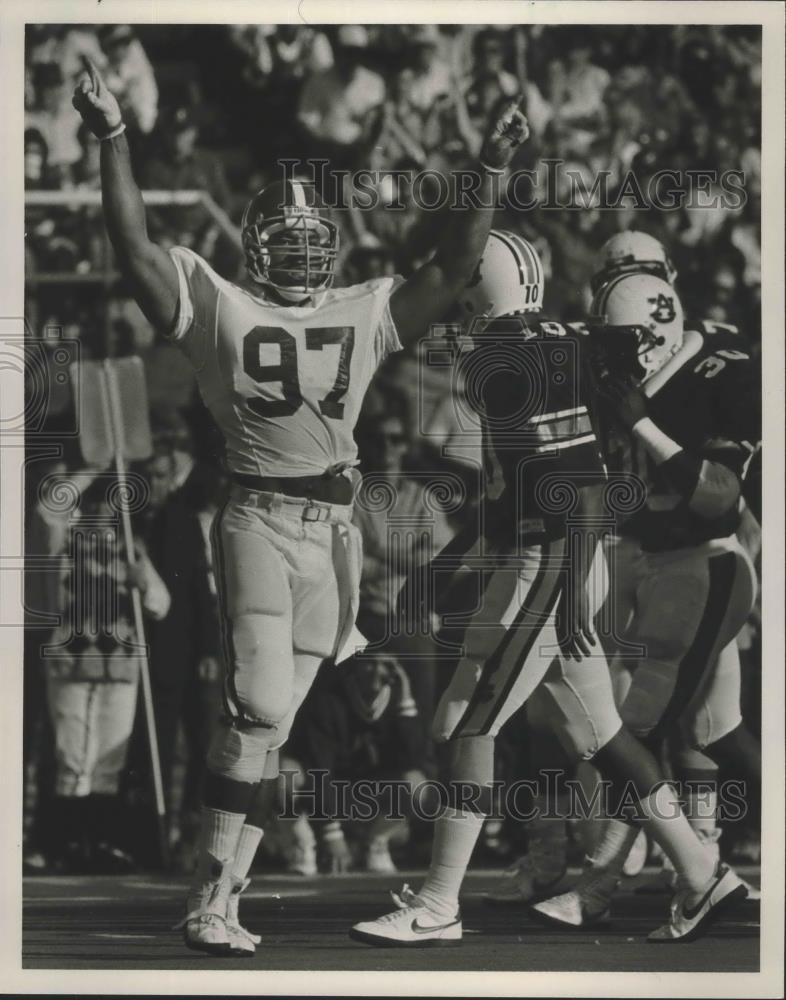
(706, 398)
(528, 378)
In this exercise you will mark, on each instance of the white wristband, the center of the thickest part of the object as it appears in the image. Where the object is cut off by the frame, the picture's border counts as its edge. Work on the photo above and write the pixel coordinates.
(491, 170)
(116, 131)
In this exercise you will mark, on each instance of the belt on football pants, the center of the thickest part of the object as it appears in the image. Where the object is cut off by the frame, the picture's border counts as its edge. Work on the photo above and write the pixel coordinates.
(319, 489)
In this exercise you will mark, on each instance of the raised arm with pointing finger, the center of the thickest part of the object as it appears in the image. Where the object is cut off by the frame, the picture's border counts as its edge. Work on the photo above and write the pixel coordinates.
(147, 267)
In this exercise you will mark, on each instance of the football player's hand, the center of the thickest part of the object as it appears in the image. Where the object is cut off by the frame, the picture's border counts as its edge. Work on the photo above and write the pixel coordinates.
(95, 102)
(504, 136)
(625, 398)
(575, 627)
(336, 855)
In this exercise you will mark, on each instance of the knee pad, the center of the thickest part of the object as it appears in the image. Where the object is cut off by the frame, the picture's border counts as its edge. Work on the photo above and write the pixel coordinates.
(700, 730)
(239, 753)
(580, 707)
(688, 758)
(648, 697)
(262, 670)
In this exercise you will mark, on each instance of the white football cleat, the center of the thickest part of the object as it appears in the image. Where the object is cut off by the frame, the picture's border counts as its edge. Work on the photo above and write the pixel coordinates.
(522, 884)
(204, 925)
(241, 941)
(410, 925)
(586, 905)
(692, 913)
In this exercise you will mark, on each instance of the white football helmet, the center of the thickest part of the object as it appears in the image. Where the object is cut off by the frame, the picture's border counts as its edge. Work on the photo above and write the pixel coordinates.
(646, 306)
(508, 279)
(632, 253)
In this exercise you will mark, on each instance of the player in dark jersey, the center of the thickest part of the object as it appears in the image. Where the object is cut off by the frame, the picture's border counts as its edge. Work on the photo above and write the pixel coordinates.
(535, 561)
(677, 413)
(735, 389)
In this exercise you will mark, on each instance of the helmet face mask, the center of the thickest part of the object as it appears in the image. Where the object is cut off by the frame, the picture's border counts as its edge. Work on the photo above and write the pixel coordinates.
(641, 308)
(289, 243)
(615, 351)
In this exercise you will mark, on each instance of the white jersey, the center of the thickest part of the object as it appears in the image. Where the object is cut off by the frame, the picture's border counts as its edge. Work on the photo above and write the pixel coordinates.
(283, 383)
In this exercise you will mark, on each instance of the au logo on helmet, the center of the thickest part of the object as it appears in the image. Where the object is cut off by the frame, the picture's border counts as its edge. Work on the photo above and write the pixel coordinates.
(663, 311)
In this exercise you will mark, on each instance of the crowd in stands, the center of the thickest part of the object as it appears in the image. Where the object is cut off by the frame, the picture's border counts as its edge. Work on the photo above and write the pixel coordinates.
(213, 109)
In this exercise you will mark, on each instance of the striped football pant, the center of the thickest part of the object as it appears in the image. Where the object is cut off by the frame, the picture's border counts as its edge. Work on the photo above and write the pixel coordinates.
(510, 649)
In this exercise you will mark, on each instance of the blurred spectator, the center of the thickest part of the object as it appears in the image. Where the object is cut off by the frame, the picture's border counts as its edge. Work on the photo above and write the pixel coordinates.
(489, 63)
(585, 85)
(56, 120)
(130, 76)
(182, 164)
(340, 107)
(92, 667)
(408, 128)
(403, 528)
(359, 719)
(65, 45)
(432, 77)
(42, 604)
(184, 646)
(87, 172)
(36, 166)
(275, 54)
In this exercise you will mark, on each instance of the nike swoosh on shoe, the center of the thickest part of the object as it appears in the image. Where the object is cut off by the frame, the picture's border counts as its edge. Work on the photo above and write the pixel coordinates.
(418, 929)
(689, 912)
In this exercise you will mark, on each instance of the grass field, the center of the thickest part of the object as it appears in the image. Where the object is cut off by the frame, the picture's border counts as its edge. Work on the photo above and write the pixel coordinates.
(110, 923)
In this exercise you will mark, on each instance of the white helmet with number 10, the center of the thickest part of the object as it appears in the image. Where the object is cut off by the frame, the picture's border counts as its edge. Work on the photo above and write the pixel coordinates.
(508, 279)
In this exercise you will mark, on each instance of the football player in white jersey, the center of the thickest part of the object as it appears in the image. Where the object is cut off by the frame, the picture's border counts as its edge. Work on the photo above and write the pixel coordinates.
(282, 364)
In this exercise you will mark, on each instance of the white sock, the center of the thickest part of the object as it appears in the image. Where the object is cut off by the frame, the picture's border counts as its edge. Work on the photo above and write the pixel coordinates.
(247, 845)
(455, 835)
(218, 841)
(670, 829)
(613, 847)
(701, 810)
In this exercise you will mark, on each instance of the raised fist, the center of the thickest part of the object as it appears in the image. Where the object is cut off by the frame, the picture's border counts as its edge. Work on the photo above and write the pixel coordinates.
(96, 103)
(507, 132)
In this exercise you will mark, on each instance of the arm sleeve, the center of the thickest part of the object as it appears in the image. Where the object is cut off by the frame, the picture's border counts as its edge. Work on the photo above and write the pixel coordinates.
(198, 290)
(386, 338)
